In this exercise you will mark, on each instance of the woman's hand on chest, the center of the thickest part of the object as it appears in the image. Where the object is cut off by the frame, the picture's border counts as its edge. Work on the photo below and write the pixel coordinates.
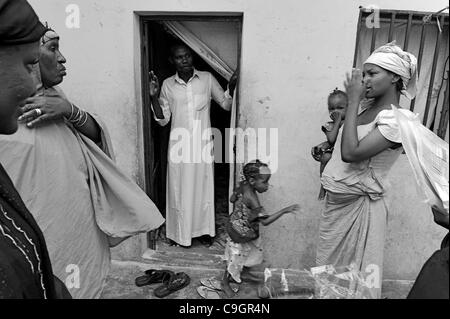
(40, 109)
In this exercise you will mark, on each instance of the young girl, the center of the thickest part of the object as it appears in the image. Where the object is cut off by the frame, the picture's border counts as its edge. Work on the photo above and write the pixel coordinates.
(337, 105)
(243, 247)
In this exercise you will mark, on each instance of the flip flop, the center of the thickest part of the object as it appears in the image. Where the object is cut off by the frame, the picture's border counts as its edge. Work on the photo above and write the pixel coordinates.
(213, 283)
(176, 282)
(153, 276)
(208, 293)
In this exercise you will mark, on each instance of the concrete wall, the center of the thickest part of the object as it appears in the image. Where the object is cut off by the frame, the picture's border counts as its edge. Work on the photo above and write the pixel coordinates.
(293, 55)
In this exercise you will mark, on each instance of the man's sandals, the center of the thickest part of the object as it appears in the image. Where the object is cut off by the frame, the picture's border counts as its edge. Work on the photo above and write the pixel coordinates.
(174, 283)
(171, 281)
(153, 276)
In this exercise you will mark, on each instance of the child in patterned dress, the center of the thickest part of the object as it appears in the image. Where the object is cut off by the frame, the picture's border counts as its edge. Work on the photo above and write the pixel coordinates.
(243, 248)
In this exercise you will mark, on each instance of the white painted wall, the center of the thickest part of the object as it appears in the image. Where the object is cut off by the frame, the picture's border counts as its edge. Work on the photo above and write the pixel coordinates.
(293, 55)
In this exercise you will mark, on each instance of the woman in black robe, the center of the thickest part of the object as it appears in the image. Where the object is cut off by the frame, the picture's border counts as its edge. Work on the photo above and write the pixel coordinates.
(433, 279)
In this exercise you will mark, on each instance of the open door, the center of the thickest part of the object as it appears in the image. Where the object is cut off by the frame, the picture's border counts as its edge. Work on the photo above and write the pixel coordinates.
(222, 36)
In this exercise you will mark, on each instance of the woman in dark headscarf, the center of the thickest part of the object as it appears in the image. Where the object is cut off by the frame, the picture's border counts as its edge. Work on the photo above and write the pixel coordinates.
(25, 269)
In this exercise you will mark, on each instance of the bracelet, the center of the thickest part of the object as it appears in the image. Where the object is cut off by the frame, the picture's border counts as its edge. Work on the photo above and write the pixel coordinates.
(73, 117)
(82, 120)
(79, 118)
(85, 120)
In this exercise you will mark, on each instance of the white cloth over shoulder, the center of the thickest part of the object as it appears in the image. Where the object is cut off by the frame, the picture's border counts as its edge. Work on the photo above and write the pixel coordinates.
(122, 209)
(388, 126)
(429, 158)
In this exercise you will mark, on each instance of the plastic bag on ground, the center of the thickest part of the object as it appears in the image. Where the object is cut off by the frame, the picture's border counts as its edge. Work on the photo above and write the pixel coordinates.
(286, 284)
(339, 283)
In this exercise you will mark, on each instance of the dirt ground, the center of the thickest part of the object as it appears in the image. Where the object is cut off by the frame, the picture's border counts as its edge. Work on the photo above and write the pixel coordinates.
(120, 283)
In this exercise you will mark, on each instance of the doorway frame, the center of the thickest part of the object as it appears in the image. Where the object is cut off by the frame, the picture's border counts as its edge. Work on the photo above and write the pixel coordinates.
(146, 61)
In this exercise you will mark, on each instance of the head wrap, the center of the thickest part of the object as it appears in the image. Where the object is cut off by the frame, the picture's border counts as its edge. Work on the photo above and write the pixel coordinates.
(392, 58)
(50, 34)
(19, 24)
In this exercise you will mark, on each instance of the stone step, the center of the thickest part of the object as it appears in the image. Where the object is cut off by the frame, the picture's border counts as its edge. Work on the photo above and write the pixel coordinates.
(183, 259)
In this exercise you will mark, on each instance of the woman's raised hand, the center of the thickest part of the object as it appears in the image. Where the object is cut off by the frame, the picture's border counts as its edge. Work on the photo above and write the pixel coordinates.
(154, 84)
(41, 109)
(354, 87)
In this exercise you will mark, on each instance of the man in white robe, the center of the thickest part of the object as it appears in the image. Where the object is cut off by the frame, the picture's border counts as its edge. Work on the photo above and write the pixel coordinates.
(186, 99)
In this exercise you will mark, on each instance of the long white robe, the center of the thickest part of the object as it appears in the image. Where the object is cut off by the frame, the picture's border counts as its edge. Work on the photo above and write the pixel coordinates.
(190, 178)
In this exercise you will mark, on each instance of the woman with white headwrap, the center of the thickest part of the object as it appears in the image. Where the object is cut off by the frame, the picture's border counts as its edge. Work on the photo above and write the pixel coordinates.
(352, 228)
(61, 162)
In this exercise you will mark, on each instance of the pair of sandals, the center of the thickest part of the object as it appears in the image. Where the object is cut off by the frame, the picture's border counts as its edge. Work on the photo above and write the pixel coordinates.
(171, 281)
(211, 288)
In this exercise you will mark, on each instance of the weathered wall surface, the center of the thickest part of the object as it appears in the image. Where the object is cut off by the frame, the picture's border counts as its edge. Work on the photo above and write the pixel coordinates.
(293, 55)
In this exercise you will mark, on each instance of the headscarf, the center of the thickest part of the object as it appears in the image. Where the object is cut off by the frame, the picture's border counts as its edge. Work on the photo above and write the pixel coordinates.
(49, 35)
(19, 24)
(392, 58)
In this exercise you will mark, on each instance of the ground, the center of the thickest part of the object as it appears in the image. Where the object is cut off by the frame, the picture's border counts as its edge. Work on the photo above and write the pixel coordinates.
(120, 283)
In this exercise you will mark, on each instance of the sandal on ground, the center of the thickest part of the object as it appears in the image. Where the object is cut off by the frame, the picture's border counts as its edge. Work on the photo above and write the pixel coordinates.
(208, 293)
(153, 276)
(176, 282)
(213, 283)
